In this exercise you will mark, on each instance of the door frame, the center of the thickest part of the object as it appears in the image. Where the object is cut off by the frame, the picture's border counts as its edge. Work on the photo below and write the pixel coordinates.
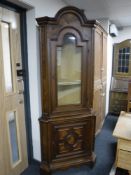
(24, 52)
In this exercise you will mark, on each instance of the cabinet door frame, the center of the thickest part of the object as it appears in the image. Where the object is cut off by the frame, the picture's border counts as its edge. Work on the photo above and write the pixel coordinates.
(24, 52)
(85, 74)
(117, 46)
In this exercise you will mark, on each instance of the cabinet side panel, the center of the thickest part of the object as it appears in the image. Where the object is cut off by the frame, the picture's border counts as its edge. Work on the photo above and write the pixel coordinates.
(44, 140)
(100, 64)
(97, 77)
(44, 67)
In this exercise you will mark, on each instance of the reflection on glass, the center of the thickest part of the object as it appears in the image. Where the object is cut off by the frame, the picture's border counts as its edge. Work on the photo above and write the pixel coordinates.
(69, 71)
(13, 137)
(6, 57)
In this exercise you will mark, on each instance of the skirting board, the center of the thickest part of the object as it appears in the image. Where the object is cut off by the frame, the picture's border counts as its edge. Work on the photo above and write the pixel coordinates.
(113, 170)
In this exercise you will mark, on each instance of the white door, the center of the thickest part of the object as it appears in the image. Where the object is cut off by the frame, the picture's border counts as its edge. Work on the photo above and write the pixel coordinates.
(13, 146)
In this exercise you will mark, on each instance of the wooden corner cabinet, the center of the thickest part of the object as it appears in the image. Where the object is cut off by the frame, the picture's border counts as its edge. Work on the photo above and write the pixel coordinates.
(120, 76)
(67, 125)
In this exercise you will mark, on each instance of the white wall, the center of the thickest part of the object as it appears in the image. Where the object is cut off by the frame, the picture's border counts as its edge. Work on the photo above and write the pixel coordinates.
(40, 8)
(124, 34)
(45, 7)
(34, 81)
(109, 68)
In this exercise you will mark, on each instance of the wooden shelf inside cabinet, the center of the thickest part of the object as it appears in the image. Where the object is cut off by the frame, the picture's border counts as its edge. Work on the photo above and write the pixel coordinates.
(120, 90)
(118, 101)
(69, 90)
(69, 83)
(67, 80)
(118, 95)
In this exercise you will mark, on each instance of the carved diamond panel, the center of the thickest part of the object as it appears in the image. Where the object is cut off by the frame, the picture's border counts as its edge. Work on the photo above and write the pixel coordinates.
(71, 138)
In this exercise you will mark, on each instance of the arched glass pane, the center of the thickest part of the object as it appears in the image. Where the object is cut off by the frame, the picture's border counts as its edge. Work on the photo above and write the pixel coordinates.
(69, 71)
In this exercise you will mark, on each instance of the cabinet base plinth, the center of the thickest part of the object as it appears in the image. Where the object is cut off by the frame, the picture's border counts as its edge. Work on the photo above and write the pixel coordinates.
(48, 169)
(44, 172)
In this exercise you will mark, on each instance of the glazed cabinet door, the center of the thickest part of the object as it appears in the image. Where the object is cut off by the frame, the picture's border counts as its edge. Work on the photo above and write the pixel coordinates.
(69, 71)
(67, 65)
(122, 59)
(69, 62)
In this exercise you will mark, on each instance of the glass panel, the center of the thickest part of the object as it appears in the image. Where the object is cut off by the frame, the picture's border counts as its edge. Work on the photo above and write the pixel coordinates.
(69, 71)
(6, 57)
(123, 60)
(13, 137)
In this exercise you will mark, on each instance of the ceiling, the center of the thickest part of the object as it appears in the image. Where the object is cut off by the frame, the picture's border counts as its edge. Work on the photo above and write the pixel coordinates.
(117, 11)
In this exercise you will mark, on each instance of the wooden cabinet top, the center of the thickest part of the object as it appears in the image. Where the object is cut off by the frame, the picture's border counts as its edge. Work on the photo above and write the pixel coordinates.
(65, 11)
(123, 126)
